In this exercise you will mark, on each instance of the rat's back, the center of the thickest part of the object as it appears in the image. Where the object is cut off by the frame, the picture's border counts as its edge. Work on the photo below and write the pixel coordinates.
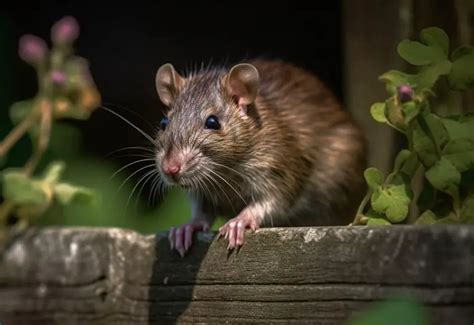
(322, 133)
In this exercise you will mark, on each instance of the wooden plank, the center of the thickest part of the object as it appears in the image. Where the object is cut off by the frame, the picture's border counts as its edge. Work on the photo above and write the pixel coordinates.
(372, 30)
(320, 275)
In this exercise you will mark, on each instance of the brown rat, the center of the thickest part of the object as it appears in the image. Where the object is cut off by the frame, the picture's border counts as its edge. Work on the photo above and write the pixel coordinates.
(264, 143)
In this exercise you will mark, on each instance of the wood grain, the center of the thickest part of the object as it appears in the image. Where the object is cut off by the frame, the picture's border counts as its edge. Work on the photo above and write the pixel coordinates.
(322, 275)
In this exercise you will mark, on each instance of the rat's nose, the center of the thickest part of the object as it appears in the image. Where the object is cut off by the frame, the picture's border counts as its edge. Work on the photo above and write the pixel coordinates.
(171, 168)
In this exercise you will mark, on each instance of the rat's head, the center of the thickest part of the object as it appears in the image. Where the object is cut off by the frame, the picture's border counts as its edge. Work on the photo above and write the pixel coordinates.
(208, 127)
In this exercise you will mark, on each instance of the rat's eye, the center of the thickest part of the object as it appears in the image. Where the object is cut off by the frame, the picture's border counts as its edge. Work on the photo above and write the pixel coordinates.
(212, 123)
(164, 122)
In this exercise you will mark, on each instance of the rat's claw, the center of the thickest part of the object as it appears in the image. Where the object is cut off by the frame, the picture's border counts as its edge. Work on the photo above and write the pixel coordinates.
(171, 237)
(232, 233)
(239, 240)
(181, 238)
(188, 236)
(179, 241)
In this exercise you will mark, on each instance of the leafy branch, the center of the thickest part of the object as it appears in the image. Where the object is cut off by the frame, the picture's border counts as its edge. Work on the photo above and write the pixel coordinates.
(66, 90)
(442, 146)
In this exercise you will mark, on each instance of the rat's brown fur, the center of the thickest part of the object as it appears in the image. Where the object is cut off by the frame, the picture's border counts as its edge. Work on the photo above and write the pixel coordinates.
(297, 150)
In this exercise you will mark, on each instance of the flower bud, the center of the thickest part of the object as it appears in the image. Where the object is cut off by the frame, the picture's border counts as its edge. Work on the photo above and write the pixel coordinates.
(32, 49)
(405, 93)
(65, 30)
(58, 77)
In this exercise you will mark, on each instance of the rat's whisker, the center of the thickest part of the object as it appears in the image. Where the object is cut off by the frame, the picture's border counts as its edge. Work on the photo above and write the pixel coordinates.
(133, 174)
(229, 168)
(131, 148)
(108, 104)
(147, 136)
(144, 179)
(203, 186)
(227, 181)
(154, 184)
(223, 189)
(129, 165)
(136, 155)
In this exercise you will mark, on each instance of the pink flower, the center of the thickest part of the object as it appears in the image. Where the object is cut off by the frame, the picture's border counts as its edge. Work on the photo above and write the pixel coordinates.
(65, 30)
(32, 49)
(58, 77)
(405, 93)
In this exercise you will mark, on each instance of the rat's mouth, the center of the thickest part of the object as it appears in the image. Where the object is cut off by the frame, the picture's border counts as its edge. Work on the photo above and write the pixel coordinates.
(184, 180)
(184, 170)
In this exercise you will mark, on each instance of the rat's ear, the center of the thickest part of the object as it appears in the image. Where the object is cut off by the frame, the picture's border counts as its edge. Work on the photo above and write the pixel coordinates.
(242, 83)
(168, 83)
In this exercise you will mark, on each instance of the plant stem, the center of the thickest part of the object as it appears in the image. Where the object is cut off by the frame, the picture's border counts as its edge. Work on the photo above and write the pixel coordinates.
(17, 133)
(44, 137)
(360, 210)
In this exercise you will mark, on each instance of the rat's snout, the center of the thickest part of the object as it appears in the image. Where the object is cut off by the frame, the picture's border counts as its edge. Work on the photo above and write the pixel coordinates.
(178, 162)
(171, 167)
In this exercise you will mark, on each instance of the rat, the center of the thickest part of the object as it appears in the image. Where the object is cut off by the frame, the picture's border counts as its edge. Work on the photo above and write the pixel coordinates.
(263, 143)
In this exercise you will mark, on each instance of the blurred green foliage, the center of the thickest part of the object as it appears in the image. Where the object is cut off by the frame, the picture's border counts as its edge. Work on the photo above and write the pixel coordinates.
(115, 206)
(394, 311)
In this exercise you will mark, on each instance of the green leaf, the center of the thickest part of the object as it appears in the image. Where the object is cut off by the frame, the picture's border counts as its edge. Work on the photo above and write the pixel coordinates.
(444, 176)
(410, 165)
(427, 218)
(373, 177)
(461, 76)
(377, 111)
(397, 212)
(66, 194)
(418, 54)
(429, 134)
(54, 171)
(375, 218)
(21, 190)
(460, 153)
(461, 51)
(20, 110)
(424, 147)
(377, 222)
(459, 127)
(428, 75)
(435, 37)
(394, 201)
(437, 129)
(394, 114)
(73, 112)
(446, 221)
(394, 79)
(401, 158)
(410, 110)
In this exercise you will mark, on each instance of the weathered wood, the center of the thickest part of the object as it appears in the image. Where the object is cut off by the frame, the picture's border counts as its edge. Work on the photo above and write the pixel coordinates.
(372, 30)
(303, 275)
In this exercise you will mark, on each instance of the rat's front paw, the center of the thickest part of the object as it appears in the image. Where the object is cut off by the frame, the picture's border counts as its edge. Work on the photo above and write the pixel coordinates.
(181, 238)
(234, 230)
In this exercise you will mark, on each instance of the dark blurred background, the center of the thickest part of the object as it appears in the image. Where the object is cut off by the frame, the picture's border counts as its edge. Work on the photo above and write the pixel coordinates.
(127, 42)
(346, 43)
